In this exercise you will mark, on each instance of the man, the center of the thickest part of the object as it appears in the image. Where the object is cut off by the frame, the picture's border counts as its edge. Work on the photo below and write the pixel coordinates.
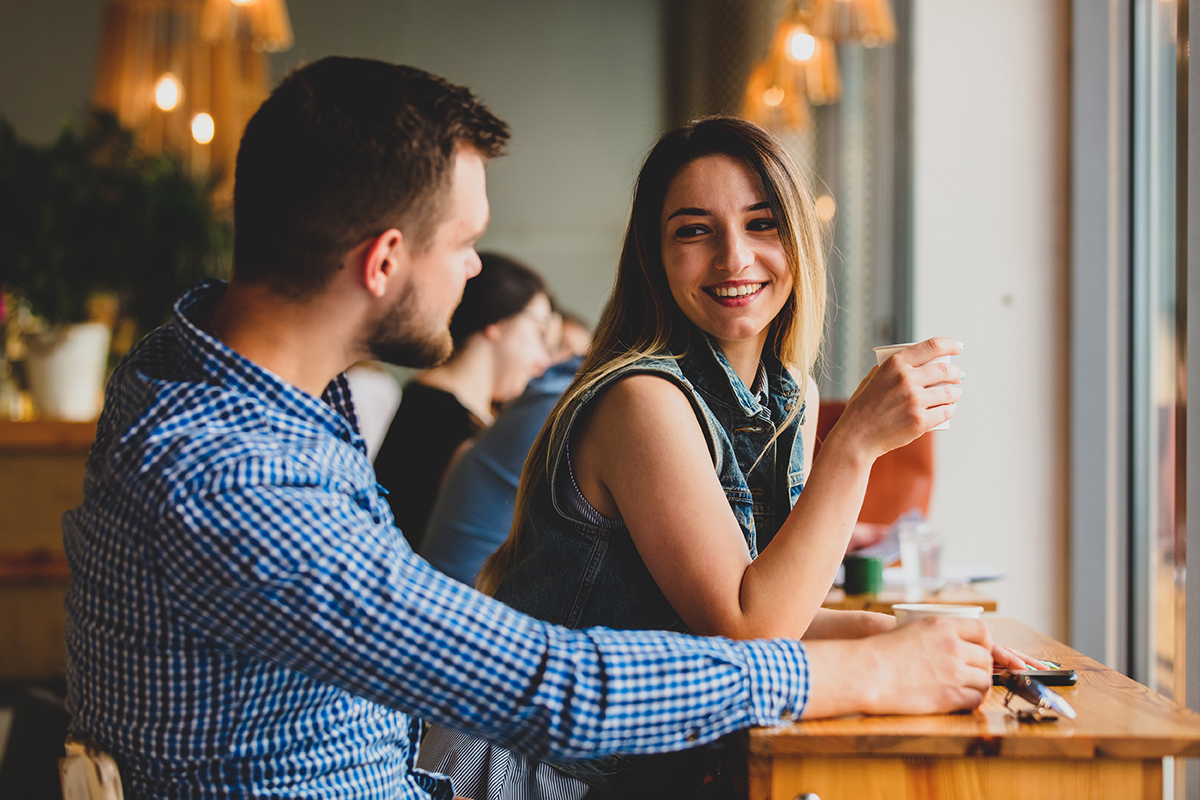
(243, 617)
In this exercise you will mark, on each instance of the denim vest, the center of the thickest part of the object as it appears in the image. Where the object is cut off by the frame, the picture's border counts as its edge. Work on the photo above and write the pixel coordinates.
(577, 574)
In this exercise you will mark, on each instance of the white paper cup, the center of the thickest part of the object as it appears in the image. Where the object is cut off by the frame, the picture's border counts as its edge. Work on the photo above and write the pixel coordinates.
(886, 351)
(911, 612)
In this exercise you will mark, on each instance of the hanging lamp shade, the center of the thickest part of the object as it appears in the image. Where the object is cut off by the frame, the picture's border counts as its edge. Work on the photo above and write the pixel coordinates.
(800, 69)
(870, 23)
(262, 23)
(179, 93)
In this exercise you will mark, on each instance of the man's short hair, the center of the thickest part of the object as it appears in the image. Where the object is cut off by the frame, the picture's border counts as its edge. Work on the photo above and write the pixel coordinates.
(342, 150)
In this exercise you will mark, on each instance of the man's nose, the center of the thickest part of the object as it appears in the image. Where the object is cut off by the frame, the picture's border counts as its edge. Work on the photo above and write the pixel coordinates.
(474, 265)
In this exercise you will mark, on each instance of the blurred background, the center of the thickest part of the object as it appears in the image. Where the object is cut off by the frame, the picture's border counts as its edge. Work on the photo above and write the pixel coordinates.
(1003, 173)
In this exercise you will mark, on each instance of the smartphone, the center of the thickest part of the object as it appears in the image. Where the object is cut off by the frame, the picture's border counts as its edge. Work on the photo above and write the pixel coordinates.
(1049, 677)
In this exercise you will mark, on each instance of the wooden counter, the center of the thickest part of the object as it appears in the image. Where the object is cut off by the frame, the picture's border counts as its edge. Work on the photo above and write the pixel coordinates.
(41, 476)
(1114, 749)
(883, 602)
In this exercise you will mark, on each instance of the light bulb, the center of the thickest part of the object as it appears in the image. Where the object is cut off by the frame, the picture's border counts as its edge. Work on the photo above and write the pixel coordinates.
(773, 96)
(802, 45)
(203, 128)
(167, 92)
(242, 2)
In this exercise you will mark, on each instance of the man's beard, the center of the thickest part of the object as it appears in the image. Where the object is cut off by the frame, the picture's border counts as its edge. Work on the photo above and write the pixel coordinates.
(403, 337)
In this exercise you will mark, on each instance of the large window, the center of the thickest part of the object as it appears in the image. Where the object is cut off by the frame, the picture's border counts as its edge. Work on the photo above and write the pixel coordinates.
(1133, 261)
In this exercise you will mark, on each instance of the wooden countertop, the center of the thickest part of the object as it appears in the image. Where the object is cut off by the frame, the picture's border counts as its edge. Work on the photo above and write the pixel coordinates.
(883, 602)
(46, 436)
(1117, 718)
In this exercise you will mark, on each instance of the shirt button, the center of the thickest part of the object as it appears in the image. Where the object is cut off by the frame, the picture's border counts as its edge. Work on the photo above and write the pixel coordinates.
(692, 736)
(787, 716)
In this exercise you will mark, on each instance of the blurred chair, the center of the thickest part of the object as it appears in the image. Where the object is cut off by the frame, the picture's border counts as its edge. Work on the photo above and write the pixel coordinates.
(89, 773)
(900, 481)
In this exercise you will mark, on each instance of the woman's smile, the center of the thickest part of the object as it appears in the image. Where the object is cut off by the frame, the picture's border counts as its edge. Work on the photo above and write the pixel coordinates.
(733, 294)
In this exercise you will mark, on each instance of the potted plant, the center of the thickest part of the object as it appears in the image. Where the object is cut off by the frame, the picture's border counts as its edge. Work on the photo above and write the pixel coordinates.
(92, 216)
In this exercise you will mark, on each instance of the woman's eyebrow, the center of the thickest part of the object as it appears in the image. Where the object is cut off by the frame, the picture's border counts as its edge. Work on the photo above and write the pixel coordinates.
(764, 205)
(690, 212)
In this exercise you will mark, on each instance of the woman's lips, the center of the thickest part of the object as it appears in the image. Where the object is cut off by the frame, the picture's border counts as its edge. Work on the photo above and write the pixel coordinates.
(733, 296)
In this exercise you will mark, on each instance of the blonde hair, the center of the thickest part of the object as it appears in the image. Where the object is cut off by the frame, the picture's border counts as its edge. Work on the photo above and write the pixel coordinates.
(642, 318)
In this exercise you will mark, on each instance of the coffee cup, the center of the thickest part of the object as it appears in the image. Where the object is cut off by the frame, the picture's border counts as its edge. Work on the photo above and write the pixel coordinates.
(886, 351)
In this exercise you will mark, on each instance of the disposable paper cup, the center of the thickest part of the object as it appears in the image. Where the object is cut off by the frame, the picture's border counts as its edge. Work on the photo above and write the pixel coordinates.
(884, 352)
(911, 612)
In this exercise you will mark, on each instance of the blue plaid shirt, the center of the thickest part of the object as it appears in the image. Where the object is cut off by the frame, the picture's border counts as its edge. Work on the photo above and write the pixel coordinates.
(244, 620)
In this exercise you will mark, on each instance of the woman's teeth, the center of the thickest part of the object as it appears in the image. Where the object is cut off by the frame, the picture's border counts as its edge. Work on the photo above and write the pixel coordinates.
(736, 291)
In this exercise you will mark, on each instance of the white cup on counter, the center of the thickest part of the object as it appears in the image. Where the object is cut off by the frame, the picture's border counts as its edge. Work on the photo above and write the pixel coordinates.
(911, 612)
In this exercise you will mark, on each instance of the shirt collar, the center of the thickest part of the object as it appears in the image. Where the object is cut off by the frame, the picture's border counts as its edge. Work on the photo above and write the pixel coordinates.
(225, 367)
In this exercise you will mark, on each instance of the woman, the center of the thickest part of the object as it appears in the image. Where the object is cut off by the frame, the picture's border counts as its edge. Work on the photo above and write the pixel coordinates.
(500, 331)
(665, 490)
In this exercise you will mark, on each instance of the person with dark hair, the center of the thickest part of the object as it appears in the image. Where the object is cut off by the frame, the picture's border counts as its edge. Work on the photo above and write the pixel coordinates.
(473, 511)
(243, 618)
(500, 332)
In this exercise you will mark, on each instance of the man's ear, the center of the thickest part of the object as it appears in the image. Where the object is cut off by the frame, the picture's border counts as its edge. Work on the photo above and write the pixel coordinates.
(385, 259)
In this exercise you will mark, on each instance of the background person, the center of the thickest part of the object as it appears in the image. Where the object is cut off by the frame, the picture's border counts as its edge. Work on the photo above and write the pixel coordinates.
(499, 330)
(474, 509)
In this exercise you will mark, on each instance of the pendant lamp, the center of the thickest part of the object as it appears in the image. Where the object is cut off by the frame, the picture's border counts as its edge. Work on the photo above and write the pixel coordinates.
(870, 23)
(800, 69)
(181, 92)
(262, 23)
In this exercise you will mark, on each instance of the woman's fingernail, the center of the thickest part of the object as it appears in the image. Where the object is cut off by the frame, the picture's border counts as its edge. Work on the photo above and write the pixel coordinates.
(962, 376)
(960, 344)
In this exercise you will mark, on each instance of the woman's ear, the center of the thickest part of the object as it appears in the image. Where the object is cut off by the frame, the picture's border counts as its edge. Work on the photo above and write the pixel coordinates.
(493, 332)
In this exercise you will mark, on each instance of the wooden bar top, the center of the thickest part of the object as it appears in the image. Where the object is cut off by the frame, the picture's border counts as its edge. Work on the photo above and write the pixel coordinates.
(46, 436)
(883, 602)
(1117, 718)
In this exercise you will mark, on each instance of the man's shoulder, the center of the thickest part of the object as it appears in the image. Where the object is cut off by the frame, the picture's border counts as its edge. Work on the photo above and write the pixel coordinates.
(167, 422)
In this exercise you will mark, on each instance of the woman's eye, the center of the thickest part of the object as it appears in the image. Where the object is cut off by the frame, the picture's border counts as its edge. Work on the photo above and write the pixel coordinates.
(762, 224)
(690, 231)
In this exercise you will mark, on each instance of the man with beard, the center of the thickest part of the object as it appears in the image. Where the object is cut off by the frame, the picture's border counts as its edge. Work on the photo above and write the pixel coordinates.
(243, 617)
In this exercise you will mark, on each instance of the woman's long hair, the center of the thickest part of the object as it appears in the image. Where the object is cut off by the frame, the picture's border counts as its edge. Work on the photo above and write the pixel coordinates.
(642, 318)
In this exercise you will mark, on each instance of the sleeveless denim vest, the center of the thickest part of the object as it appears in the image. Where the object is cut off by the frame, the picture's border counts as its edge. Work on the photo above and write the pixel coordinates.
(577, 574)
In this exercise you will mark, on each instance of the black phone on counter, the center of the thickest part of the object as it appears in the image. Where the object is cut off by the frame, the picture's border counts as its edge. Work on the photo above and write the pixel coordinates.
(1049, 677)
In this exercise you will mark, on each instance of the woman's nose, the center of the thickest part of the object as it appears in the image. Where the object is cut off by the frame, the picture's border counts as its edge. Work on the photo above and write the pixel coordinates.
(735, 254)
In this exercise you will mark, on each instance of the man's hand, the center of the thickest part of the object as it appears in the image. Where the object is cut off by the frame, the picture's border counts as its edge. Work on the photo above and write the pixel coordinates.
(1008, 658)
(933, 666)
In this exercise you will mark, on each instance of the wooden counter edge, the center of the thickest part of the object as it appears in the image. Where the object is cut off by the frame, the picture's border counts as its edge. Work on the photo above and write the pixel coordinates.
(46, 436)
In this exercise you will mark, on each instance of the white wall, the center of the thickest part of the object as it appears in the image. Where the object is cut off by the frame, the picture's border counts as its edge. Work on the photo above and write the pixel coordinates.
(990, 226)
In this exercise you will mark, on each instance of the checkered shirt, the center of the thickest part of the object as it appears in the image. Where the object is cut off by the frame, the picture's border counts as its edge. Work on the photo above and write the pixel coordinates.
(244, 620)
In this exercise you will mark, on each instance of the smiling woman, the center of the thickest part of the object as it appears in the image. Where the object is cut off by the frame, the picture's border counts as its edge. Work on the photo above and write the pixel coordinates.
(673, 487)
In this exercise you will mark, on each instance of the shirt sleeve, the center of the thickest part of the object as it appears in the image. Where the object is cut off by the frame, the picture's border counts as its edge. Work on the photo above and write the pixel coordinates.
(312, 581)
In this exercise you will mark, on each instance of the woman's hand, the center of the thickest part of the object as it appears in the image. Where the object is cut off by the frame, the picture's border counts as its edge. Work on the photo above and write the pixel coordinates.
(901, 399)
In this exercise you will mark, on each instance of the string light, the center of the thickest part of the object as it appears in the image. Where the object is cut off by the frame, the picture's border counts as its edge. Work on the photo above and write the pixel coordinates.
(773, 96)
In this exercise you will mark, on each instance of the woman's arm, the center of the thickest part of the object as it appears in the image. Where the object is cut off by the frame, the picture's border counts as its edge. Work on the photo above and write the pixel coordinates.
(642, 455)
